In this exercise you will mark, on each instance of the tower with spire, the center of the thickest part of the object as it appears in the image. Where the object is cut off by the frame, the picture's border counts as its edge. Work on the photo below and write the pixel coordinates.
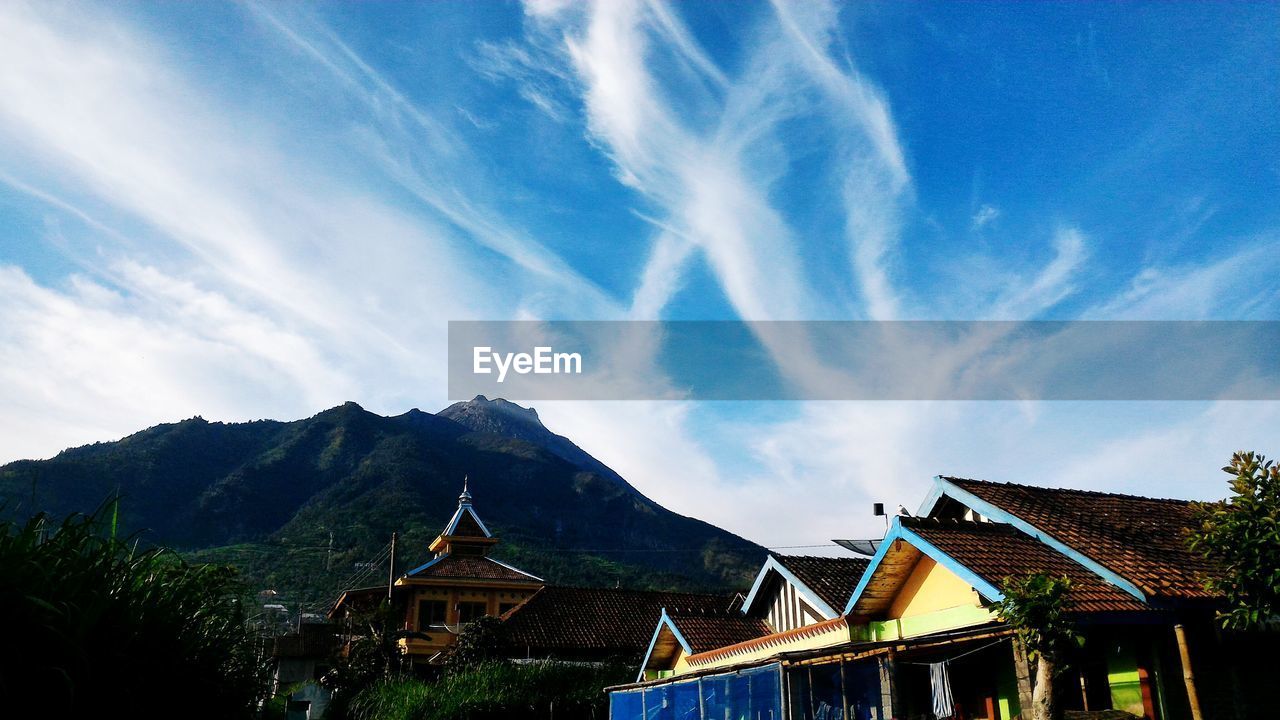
(458, 584)
(465, 534)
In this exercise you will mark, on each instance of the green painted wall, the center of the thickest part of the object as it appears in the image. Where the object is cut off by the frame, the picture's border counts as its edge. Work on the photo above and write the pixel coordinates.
(1122, 676)
(956, 617)
(1007, 691)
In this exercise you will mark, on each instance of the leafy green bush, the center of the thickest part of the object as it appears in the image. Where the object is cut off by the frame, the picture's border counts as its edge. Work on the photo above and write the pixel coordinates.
(496, 690)
(1242, 535)
(372, 658)
(93, 622)
(1038, 608)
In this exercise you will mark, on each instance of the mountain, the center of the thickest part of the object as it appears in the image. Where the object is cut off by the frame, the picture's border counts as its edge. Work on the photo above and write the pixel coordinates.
(305, 506)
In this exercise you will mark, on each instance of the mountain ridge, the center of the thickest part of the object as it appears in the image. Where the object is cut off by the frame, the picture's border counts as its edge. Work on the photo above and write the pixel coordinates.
(300, 503)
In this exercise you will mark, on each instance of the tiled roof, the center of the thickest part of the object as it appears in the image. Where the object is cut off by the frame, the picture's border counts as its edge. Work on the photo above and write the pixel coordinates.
(1140, 539)
(563, 618)
(472, 567)
(712, 630)
(778, 640)
(994, 551)
(832, 578)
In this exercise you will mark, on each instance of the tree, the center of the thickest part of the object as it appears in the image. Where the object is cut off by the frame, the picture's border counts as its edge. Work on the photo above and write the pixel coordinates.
(480, 641)
(372, 657)
(1036, 606)
(1242, 536)
(92, 621)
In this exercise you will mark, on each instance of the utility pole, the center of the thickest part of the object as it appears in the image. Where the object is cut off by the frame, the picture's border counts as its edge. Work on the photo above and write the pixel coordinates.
(391, 573)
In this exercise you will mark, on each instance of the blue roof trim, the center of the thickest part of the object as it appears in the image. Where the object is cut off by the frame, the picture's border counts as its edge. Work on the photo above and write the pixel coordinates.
(895, 532)
(931, 500)
(513, 568)
(898, 532)
(663, 621)
(773, 564)
(977, 582)
(998, 514)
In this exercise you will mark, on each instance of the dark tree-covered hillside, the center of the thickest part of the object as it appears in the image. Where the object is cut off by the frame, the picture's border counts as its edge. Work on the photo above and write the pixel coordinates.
(299, 505)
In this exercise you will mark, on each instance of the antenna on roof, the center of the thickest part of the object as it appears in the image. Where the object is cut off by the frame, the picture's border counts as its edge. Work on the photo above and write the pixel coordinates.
(877, 509)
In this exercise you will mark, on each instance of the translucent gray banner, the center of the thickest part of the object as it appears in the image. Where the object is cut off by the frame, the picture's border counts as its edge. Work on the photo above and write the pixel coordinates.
(908, 360)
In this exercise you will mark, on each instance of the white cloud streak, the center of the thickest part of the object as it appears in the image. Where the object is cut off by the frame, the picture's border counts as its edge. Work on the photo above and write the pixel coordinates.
(237, 277)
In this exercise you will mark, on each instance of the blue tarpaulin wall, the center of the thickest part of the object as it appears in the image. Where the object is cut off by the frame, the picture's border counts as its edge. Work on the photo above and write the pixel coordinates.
(830, 691)
(754, 694)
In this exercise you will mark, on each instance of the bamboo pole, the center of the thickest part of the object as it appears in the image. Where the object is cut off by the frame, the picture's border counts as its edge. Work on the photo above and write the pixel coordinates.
(1188, 676)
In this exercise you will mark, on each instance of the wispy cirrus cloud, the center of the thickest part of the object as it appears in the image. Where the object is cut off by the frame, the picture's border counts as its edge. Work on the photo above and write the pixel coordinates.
(694, 171)
(1231, 285)
(302, 238)
(166, 176)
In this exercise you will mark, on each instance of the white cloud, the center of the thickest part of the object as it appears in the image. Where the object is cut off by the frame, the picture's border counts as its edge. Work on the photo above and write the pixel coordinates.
(1234, 285)
(986, 214)
(1054, 282)
(230, 225)
(88, 362)
(236, 276)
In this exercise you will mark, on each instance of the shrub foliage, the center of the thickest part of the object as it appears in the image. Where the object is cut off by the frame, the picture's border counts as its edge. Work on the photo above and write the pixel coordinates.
(1242, 535)
(94, 622)
(1036, 607)
(496, 690)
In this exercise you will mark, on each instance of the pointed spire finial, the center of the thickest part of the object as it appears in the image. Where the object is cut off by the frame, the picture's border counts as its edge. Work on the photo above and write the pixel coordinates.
(465, 497)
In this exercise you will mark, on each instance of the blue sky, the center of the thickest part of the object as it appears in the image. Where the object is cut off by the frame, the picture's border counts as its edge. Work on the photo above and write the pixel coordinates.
(262, 210)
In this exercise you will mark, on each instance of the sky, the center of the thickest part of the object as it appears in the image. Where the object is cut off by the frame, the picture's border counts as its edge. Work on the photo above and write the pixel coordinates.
(262, 210)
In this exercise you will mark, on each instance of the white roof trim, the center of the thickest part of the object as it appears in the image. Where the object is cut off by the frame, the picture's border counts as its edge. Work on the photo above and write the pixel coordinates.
(516, 569)
(425, 565)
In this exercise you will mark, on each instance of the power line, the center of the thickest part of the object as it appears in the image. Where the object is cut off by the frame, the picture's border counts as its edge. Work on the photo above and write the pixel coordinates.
(672, 550)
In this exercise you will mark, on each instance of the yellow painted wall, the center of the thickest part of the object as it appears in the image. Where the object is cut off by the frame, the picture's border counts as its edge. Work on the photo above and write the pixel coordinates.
(682, 663)
(679, 666)
(930, 588)
(440, 639)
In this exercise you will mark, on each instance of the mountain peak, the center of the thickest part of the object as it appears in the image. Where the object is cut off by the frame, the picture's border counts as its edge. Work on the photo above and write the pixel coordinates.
(211, 487)
(497, 415)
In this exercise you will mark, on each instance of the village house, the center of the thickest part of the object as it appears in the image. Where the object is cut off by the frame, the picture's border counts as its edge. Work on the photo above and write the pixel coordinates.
(914, 636)
(435, 600)
(607, 624)
(796, 602)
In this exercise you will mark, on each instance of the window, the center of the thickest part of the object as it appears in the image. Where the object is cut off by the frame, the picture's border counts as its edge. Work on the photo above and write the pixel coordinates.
(469, 611)
(431, 612)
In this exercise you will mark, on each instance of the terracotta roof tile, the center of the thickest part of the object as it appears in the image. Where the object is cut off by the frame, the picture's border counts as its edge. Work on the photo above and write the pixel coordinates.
(716, 629)
(1141, 539)
(472, 567)
(994, 551)
(832, 578)
(771, 640)
(596, 619)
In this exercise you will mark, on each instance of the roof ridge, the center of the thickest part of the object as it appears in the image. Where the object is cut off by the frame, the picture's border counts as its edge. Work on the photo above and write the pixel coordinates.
(918, 522)
(684, 593)
(822, 557)
(1076, 491)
